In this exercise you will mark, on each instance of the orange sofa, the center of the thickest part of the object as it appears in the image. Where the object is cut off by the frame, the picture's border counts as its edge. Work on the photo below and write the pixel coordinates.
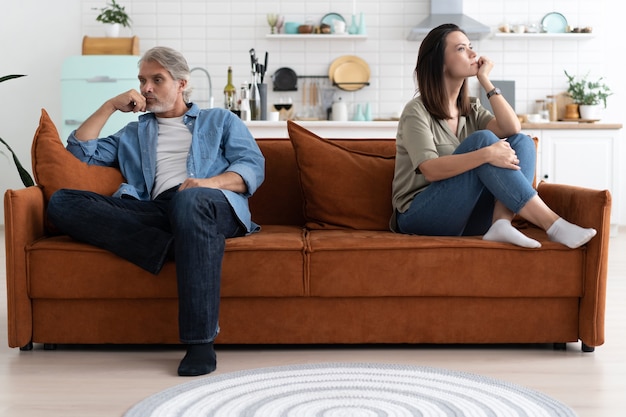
(323, 269)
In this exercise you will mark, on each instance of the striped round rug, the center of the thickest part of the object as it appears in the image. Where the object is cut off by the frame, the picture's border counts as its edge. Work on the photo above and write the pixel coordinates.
(348, 389)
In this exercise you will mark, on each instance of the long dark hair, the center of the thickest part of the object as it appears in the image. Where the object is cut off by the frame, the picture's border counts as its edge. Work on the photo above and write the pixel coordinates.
(429, 74)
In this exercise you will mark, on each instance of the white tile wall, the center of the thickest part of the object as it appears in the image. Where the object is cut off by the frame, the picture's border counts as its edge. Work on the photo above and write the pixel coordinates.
(215, 34)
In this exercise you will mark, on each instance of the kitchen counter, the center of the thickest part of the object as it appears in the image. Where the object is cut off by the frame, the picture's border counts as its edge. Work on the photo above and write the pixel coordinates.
(386, 129)
(327, 129)
(571, 125)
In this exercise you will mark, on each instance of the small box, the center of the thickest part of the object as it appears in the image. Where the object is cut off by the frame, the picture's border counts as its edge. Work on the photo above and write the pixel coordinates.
(110, 46)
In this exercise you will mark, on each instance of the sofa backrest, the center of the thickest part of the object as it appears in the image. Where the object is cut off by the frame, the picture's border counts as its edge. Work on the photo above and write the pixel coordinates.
(279, 200)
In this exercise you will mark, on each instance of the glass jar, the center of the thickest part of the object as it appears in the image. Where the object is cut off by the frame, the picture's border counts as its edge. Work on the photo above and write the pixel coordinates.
(552, 108)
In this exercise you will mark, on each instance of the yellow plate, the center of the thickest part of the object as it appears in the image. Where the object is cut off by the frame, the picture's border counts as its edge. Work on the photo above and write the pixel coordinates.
(349, 72)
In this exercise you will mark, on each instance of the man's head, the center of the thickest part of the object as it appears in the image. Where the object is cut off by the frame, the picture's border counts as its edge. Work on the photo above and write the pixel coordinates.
(164, 78)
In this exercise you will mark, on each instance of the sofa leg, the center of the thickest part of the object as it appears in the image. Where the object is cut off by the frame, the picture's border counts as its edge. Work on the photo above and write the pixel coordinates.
(27, 347)
(49, 346)
(587, 348)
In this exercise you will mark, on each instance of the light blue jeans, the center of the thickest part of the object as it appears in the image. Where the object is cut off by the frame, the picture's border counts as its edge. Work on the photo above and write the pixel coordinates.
(463, 205)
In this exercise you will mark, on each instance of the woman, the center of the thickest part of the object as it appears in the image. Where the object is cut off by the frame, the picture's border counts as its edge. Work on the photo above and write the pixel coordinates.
(461, 170)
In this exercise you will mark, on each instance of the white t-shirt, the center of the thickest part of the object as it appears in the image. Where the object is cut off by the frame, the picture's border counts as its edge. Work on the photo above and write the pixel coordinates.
(171, 154)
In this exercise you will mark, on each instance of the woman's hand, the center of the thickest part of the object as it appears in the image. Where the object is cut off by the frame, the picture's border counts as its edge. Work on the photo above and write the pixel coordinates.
(485, 65)
(503, 156)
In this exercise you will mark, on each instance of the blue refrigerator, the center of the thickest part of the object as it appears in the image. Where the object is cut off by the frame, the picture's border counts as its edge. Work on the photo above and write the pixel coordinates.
(87, 81)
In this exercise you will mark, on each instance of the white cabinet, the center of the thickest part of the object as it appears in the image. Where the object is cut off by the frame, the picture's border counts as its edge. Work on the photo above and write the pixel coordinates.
(87, 81)
(584, 157)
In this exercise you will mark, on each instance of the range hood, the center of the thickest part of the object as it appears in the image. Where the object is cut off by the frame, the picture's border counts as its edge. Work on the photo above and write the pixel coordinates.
(448, 11)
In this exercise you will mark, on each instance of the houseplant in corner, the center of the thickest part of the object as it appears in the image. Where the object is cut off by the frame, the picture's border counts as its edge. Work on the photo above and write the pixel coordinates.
(587, 94)
(114, 15)
(27, 180)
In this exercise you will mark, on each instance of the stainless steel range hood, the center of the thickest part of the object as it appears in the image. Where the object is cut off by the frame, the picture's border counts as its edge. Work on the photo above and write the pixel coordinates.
(448, 11)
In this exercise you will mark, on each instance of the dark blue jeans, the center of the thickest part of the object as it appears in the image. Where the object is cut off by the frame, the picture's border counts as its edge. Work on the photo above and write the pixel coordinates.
(463, 205)
(193, 224)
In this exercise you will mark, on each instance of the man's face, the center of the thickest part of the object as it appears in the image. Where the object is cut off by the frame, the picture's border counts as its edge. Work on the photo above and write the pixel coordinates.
(163, 94)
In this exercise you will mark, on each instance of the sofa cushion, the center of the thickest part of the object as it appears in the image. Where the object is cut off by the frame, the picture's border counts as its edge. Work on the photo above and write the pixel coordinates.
(54, 167)
(342, 188)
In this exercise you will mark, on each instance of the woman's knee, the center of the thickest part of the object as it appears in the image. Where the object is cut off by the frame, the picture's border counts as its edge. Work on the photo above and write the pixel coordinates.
(477, 140)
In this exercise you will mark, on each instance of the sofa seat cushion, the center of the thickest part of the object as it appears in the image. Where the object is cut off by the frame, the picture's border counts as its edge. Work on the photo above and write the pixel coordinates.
(269, 263)
(374, 264)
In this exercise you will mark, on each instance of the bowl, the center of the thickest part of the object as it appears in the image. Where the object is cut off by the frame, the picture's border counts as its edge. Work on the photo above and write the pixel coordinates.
(291, 27)
(305, 29)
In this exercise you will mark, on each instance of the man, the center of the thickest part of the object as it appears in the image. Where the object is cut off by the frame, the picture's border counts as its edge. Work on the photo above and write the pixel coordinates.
(189, 174)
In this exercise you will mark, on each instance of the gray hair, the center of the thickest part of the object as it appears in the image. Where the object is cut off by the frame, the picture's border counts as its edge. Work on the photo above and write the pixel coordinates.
(173, 61)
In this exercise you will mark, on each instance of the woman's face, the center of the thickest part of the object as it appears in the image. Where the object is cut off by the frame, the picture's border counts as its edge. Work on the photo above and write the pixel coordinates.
(460, 61)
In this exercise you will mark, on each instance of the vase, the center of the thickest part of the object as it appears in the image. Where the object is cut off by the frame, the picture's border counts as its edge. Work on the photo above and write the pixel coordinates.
(354, 27)
(361, 30)
(112, 30)
(588, 111)
(571, 111)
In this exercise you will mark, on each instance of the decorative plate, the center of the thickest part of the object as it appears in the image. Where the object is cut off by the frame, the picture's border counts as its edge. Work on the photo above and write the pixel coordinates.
(349, 73)
(554, 23)
(330, 18)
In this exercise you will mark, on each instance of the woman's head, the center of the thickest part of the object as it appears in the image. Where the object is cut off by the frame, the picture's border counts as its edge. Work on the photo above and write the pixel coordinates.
(430, 72)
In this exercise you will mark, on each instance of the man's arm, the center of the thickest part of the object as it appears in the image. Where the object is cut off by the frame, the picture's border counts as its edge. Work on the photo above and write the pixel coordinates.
(229, 180)
(126, 102)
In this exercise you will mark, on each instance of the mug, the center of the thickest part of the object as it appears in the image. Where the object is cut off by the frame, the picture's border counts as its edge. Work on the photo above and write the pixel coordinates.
(339, 26)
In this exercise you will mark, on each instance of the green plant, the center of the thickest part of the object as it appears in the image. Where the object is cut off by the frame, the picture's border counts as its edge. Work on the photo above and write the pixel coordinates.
(587, 92)
(27, 180)
(114, 13)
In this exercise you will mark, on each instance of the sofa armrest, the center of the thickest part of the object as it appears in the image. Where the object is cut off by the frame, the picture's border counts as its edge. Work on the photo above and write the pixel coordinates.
(24, 223)
(588, 208)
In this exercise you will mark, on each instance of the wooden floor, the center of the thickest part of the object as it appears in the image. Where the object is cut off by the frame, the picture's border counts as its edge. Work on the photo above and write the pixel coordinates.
(105, 381)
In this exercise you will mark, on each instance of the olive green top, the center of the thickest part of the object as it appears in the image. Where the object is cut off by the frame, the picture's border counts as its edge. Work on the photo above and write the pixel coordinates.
(421, 137)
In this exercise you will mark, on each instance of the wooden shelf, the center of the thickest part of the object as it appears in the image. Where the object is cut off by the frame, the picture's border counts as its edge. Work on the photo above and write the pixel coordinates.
(308, 36)
(544, 36)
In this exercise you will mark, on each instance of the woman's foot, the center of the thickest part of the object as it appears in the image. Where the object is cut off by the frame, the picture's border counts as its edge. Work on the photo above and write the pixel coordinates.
(503, 231)
(199, 360)
(569, 234)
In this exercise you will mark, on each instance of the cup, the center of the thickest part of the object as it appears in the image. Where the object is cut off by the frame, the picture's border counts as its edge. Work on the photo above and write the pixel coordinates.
(339, 26)
(274, 116)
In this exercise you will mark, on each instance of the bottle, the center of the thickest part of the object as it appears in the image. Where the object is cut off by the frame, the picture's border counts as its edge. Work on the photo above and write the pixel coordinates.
(230, 92)
(255, 99)
(552, 109)
(542, 109)
(244, 106)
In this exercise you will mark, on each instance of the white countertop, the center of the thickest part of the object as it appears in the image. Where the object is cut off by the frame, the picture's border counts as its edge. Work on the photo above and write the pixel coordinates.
(327, 129)
(383, 129)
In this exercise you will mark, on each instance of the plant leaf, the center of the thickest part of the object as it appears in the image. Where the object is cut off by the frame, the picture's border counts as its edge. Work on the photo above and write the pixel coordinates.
(27, 180)
(9, 77)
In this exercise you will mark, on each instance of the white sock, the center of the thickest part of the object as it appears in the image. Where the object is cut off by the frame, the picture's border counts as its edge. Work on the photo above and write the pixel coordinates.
(569, 234)
(503, 231)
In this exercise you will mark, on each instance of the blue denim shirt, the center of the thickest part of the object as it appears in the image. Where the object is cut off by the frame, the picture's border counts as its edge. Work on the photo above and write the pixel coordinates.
(220, 142)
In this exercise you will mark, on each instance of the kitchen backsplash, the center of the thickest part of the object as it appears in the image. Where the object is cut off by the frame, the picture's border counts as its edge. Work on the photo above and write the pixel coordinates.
(217, 34)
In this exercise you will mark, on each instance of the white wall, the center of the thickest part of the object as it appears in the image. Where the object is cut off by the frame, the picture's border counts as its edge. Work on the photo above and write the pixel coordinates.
(36, 36)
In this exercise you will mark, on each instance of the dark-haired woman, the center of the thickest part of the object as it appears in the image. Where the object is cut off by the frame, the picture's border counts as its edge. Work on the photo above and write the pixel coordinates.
(461, 170)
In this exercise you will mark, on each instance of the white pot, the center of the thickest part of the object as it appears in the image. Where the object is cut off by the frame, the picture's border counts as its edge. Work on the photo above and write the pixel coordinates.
(112, 30)
(589, 111)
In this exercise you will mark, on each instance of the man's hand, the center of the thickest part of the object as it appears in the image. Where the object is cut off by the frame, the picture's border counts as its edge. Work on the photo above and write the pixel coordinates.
(229, 180)
(132, 100)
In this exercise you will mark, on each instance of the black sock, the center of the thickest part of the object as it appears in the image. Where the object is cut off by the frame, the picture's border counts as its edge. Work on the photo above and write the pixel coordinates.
(199, 360)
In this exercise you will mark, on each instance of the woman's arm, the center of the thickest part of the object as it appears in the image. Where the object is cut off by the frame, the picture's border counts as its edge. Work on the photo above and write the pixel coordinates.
(506, 123)
(499, 154)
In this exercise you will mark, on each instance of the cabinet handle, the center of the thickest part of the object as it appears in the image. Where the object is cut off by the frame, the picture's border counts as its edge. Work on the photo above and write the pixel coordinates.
(545, 176)
(101, 79)
(72, 122)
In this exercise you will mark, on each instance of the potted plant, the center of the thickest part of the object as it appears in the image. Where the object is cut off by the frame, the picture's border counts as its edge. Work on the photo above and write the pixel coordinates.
(587, 94)
(114, 15)
(27, 180)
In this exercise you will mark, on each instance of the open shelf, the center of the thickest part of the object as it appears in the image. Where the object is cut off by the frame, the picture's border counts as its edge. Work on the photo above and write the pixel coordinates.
(555, 36)
(307, 36)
